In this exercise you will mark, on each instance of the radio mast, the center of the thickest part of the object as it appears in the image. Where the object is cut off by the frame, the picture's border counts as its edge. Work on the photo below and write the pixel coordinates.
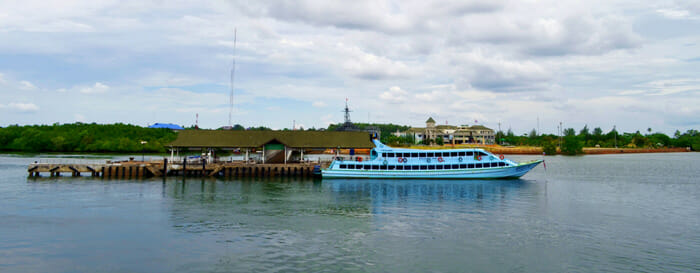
(233, 74)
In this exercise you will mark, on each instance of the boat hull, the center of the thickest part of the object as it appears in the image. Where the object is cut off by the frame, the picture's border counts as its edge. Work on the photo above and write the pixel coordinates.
(508, 172)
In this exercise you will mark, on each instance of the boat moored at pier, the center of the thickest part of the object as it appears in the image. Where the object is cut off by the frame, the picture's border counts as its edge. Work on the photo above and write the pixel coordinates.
(388, 162)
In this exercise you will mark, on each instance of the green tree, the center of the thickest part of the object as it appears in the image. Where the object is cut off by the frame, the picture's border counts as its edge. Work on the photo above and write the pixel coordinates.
(548, 146)
(571, 145)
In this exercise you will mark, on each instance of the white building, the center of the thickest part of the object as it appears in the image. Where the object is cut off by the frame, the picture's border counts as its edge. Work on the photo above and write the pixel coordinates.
(451, 134)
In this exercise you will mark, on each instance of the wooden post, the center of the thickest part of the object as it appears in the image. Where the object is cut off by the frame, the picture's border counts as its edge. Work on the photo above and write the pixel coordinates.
(184, 166)
(165, 167)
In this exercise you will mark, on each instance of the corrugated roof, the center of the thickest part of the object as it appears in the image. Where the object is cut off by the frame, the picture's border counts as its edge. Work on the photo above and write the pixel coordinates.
(253, 139)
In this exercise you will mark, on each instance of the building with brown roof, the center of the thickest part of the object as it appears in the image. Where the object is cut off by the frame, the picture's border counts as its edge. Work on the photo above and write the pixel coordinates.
(274, 146)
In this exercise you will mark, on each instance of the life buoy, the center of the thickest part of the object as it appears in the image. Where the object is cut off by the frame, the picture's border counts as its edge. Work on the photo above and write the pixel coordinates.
(400, 159)
(478, 158)
(440, 159)
(359, 159)
(385, 162)
(501, 157)
(405, 160)
(427, 160)
(460, 159)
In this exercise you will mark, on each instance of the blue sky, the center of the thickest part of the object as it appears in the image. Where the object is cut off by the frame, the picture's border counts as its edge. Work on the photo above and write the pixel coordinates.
(630, 64)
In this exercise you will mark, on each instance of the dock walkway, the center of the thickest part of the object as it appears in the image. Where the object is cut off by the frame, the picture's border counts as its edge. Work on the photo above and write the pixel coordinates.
(140, 169)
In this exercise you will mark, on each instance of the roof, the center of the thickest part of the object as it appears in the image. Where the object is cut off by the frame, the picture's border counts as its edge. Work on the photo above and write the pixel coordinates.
(253, 139)
(430, 119)
(167, 126)
(446, 127)
(479, 127)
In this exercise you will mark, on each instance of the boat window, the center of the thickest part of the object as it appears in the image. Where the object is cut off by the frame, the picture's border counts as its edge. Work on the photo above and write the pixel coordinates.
(440, 167)
(423, 167)
(482, 153)
(462, 153)
(470, 153)
(414, 167)
(455, 166)
(382, 167)
(399, 167)
(447, 167)
(421, 154)
(494, 164)
(501, 164)
(413, 155)
(390, 155)
(351, 166)
(366, 167)
(453, 154)
(392, 167)
(343, 166)
(471, 166)
(430, 155)
(479, 165)
(431, 167)
(462, 166)
(375, 167)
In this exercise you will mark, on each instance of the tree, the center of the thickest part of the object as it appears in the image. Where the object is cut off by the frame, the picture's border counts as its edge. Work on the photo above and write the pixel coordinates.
(569, 132)
(571, 145)
(548, 146)
(533, 134)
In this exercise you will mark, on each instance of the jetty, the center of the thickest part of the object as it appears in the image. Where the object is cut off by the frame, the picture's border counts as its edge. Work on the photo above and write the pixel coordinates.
(160, 168)
(225, 153)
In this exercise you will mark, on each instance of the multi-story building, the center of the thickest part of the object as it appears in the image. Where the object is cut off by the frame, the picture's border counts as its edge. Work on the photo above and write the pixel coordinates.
(451, 134)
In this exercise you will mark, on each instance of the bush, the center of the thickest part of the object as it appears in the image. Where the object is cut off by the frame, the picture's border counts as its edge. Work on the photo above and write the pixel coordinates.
(571, 146)
(549, 148)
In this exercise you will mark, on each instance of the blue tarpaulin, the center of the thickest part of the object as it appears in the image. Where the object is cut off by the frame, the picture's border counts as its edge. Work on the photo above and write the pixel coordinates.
(167, 126)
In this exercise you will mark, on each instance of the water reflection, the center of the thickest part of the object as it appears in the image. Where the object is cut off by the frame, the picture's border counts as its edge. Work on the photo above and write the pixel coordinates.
(392, 193)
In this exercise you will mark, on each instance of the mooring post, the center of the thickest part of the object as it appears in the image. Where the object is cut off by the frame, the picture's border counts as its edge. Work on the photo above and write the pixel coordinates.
(184, 166)
(165, 166)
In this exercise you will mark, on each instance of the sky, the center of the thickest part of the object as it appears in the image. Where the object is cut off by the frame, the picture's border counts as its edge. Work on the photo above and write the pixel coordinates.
(521, 65)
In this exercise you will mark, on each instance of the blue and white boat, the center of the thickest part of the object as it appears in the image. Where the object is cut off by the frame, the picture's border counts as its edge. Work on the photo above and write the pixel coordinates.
(388, 162)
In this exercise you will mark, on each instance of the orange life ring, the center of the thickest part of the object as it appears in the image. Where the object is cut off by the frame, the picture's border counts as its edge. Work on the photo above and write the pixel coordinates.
(359, 159)
(400, 160)
(501, 157)
(478, 158)
(440, 159)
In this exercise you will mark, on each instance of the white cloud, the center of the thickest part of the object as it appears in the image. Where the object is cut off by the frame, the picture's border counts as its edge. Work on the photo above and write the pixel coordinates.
(319, 104)
(394, 95)
(26, 85)
(95, 89)
(21, 107)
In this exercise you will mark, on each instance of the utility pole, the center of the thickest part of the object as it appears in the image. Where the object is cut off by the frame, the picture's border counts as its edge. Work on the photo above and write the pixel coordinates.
(561, 130)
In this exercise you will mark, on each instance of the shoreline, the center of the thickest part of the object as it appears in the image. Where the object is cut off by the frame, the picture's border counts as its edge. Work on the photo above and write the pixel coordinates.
(586, 151)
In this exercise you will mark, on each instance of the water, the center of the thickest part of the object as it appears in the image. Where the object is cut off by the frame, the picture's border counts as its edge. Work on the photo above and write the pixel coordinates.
(612, 213)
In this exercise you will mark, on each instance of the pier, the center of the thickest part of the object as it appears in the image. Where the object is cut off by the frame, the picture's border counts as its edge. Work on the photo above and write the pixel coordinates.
(137, 169)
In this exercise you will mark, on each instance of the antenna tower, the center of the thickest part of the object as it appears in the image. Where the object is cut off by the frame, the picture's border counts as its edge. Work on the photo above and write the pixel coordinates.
(233, 74)
(347, 112)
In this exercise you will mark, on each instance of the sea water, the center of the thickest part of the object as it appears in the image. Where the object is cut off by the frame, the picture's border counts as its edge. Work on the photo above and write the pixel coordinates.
(610, 213)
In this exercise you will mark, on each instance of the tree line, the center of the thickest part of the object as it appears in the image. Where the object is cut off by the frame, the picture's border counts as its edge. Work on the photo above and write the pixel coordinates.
(127, 138)
(81, 137)
(572, 142)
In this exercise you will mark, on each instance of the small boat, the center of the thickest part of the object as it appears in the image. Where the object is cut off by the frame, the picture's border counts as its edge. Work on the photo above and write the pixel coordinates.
(388, 162)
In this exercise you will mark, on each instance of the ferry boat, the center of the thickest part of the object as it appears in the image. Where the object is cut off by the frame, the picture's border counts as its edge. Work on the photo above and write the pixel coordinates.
(388, 162)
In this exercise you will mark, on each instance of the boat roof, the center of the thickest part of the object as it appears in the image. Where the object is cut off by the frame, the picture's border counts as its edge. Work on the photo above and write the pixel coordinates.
(384, 148)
